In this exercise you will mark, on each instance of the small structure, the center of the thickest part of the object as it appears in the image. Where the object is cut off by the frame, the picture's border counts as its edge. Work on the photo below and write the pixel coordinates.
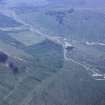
(68, 46)
(98, 76)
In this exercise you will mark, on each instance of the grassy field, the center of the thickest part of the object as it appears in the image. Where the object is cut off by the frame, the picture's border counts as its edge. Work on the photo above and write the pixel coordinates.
(6, 21)
(44, 76)
(78, 24)
(27, 37)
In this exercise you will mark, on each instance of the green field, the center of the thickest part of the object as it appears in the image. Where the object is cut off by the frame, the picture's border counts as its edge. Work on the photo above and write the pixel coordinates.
(27, 37)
